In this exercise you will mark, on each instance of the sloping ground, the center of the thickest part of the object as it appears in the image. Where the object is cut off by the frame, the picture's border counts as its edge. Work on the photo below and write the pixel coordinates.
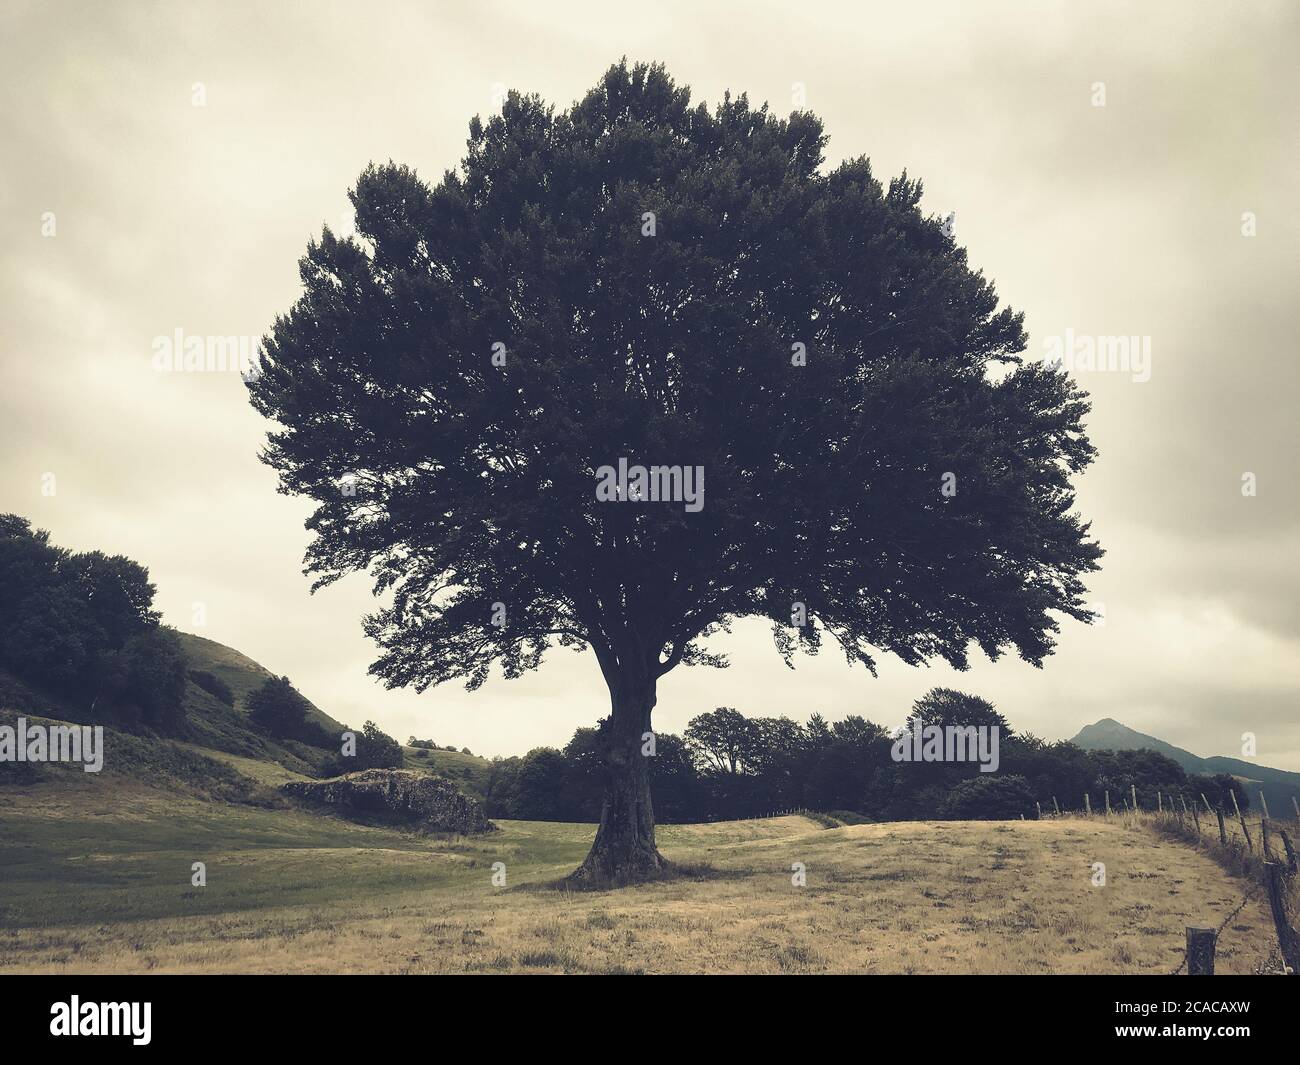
(183, 769)
(289, 891)
(210, 725)
(214, 727)
(240, 673)
(223, 732)
(270, 774)
(470, 772)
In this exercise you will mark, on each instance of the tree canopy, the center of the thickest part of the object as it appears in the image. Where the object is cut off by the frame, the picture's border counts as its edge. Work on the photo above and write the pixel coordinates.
(638, 278)
(81, 625)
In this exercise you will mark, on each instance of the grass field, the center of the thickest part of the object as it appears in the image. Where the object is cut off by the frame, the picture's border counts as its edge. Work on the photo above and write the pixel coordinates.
(91, 883)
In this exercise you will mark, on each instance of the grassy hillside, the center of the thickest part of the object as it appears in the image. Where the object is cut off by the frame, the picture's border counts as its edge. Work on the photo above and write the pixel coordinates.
(211, 727)
(469, 771)
(222, 733)
(98, 880)
(214, 726)
(164, 765)
(240, 673)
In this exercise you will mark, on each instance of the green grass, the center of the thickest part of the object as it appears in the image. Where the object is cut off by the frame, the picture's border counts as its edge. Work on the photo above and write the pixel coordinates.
(95, 880)
(95, 876)
(469, 771)
(60, 864)
(209, 723)
(241, 673)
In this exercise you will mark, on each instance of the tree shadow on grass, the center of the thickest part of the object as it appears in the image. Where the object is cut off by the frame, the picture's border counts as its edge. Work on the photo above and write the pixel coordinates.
(676, 872)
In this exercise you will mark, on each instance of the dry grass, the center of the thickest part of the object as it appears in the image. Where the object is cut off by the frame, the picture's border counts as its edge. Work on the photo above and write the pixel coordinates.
(290, 891)
(272, 774)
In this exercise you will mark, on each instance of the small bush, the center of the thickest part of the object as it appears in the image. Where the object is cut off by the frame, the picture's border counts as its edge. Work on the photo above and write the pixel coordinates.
(278, 708)
(213, 685)
(990, 798)
(19, 773)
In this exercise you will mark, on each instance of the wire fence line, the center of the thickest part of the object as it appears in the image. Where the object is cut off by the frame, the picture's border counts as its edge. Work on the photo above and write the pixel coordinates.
(1217, 932)
(1272, 869)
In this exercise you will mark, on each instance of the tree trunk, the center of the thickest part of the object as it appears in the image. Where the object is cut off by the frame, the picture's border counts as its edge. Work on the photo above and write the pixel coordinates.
(624, 851)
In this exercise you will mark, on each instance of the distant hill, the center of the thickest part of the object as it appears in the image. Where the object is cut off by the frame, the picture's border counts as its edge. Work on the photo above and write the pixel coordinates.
(243, 676)
(1278, 785)
(1109, 735)
(211, 728)
(214, 730)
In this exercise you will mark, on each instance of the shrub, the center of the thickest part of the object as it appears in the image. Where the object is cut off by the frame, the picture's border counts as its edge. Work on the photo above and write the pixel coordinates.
(278, 708)
(144, 682)
(989, 798)
(213, 685)
(374, 750)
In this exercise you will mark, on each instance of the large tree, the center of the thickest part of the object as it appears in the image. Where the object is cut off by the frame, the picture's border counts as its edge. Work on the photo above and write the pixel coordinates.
(637, 278)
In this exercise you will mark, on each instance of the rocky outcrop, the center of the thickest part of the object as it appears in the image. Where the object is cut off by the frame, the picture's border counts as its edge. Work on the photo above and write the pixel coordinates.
(425, 802)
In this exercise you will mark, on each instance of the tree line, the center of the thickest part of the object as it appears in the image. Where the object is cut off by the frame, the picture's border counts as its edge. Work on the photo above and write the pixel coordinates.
(727, 766)
(81, 626)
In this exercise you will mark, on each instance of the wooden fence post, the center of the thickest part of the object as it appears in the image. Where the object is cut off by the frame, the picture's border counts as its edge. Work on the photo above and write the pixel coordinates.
(1133, 790)
(1200, 951)
(1055, 807)
(1087, 804)
(1160, 803)
(1292, 866)
(1039, 807)
(1263, 827)
(1244, 830)
(1218, 812)
(1287, 938)
(1108, 802)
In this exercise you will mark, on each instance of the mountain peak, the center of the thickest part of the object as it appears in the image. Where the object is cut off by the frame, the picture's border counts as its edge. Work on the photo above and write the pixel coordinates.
(1109, 734)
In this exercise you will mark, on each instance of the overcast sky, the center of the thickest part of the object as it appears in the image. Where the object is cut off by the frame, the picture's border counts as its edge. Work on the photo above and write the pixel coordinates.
(163, 166)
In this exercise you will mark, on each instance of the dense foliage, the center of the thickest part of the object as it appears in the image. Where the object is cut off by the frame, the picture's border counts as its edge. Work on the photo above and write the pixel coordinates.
(639, 279)
(213, 685)
(374, 749)
(730, 766)
(82, 626)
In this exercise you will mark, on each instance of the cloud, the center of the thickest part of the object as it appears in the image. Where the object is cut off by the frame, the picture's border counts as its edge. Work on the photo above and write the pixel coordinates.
(1117, 220)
